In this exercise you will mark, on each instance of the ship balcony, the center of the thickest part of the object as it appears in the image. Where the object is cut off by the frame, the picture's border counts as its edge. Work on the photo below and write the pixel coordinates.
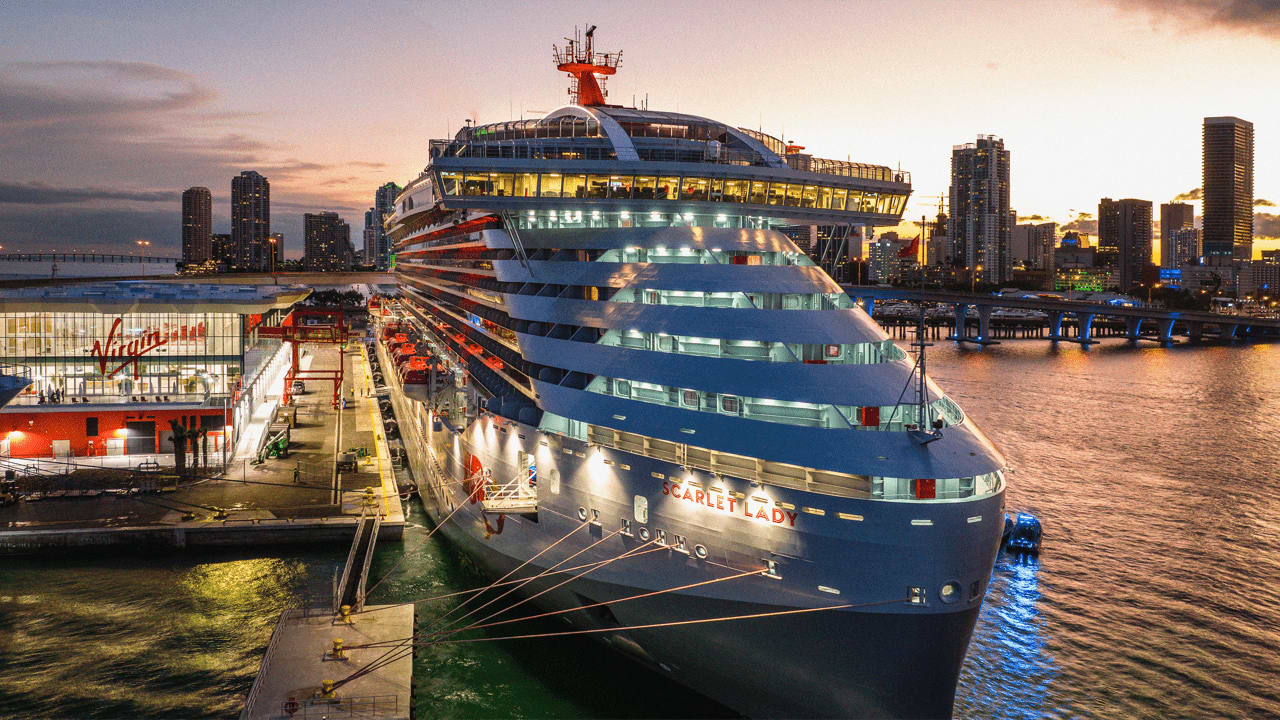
(520, 495)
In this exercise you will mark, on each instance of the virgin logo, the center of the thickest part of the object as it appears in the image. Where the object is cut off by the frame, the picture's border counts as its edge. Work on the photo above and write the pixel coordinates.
(129, 352)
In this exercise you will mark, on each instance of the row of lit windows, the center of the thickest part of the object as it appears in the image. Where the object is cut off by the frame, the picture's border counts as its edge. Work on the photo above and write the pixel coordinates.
(893, 418)
(836, 354)
(653, 187)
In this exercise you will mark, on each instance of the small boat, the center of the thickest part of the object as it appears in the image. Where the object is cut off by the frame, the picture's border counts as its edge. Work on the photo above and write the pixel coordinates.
(1025, 535)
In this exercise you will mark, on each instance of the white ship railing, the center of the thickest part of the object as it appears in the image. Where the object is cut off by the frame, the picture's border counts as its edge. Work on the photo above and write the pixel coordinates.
(516, 496)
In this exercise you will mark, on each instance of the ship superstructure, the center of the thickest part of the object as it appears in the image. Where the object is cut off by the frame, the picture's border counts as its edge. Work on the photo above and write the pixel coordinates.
(638, 350)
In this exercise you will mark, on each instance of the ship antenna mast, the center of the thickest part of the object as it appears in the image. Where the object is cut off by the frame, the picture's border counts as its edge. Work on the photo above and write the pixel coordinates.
(579, 59)
(927, 430)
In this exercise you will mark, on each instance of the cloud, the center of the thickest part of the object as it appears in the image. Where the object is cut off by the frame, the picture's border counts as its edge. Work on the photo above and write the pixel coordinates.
(1257, 17)
(1032, 218)
(37, 193)
(1259, 202)
(1083, 222)
(1189, 196)
(993, 66)
(1266, 225)
(95, 153)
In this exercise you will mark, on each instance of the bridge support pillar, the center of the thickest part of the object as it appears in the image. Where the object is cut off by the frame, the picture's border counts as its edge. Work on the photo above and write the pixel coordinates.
(1228, 332)
(984, 326)
(962, 314)
(1133, 328)
(1166, 331)
(1084, 328)
(1195, 330)
(868, 304)
(1055, 325)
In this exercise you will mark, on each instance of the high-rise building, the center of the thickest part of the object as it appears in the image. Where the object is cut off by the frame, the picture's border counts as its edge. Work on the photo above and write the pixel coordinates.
(979, 224)
(370, 253)
(885, 265)
(938, 244)
(1228, 189)
(1182, 249)
(384, 204)
(1034, 244)
(251, 220)
(328, 242)
(1174, 217)
(224, 250)
(1124, 238)
(197, 226)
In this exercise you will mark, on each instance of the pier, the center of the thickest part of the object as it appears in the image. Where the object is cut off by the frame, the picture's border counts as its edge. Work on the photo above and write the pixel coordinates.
(1065, 320)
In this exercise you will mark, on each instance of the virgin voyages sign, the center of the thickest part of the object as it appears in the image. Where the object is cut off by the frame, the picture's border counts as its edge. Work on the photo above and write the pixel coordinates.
(116, 349)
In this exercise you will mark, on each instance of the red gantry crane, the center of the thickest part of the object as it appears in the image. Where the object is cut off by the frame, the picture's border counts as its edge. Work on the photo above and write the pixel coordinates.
(293, 331)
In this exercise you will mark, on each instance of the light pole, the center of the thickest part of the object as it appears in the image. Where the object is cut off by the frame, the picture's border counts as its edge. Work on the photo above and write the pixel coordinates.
(143, 244)
(1153, 286)
(973, 280)
(273, 255)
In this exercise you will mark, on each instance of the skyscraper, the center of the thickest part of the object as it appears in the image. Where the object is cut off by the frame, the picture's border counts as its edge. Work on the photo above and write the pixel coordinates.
(1173, 218)
(1228, 189)
(328, 242)
(250, 220)
(1124, 238)
(1184, 248)
(224, 250)
(197, 226)
(384, 204)
(370, 254)
(979, 224)
(1034, 243)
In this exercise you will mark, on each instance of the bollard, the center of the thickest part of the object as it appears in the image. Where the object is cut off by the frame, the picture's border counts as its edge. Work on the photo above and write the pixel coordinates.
(369, 499)
(346, 614)
(338, 653)
(326, 690)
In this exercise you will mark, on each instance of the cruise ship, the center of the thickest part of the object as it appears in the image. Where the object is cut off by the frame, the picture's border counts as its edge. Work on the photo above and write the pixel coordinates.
(610, 364)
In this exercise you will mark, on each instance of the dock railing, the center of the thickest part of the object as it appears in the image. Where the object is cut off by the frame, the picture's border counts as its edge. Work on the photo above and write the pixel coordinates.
(360, 706)
(252, 697)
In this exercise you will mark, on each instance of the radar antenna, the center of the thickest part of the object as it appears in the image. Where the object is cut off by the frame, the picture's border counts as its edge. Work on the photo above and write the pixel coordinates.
(579, 59)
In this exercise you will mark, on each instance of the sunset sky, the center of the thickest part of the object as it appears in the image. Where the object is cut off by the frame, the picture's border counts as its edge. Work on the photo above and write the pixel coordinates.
(109, 110)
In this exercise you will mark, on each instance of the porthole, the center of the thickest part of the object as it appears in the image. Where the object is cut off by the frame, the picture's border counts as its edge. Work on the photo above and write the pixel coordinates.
(644, 534)
(582, 514)
(700, 551)
(950, 592)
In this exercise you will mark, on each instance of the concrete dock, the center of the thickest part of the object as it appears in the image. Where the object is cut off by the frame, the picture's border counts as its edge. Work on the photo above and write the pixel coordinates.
(298, 660)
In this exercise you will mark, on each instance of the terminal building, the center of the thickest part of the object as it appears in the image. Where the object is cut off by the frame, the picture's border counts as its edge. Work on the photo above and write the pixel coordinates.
(110, 364)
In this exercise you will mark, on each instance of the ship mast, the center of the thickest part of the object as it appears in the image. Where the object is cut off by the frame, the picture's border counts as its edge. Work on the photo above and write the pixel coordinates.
(579, 59)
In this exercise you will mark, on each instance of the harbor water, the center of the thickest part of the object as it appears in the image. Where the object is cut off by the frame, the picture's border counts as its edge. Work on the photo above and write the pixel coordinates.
(1153, 470)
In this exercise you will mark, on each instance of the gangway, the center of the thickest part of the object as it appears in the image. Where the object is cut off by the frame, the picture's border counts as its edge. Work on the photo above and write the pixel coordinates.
(351, 588)
(517, 496)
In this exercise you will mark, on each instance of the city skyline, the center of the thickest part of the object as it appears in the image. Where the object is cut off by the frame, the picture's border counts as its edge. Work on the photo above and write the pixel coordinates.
(104, 131)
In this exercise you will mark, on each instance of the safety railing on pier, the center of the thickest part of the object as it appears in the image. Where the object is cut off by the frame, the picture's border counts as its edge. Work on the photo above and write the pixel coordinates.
(360, 706)
(252, 697)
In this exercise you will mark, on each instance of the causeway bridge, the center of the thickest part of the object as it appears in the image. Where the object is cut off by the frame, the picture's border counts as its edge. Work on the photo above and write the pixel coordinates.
(87, 257)
(1138, 323)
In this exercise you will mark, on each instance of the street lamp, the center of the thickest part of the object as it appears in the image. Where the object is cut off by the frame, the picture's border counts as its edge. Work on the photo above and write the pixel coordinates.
(273, 255)
(973, 279)
(143, 244)
(1153, 286)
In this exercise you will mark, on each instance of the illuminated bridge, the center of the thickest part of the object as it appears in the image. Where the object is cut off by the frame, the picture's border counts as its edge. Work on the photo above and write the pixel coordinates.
(1139, 322)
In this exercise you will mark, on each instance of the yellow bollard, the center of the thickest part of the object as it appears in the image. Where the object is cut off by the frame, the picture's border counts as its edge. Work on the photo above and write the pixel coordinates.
(326, 690)
(338, 653)
(369, 499)
(346, 614)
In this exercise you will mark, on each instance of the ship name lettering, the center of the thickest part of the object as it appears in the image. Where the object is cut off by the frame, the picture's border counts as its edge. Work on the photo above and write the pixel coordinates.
(732, 506)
